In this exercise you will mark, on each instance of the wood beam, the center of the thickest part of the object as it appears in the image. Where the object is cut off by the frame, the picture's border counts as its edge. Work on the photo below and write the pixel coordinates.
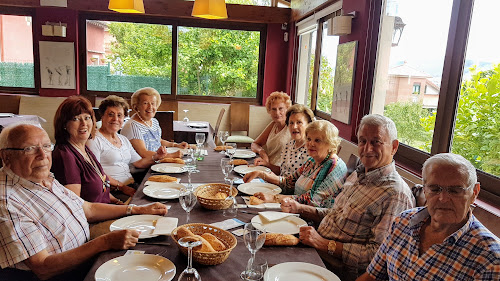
(175, 9)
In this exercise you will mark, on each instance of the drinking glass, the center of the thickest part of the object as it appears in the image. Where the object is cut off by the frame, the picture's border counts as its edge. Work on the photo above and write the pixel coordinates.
(232, 210)
(187, 198)
(227, 166)
(186, 119)
(223, 135)
(190, 165)
(258, 267)
(231, 151)
(254, 236)
(190, 273)
(200, 138)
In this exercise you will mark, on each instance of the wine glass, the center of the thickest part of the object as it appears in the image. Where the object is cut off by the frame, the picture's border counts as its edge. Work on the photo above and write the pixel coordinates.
(200, 138)
(227, 166)
(231, 151)
(254, 236)
(232, 210)
(190, 166)
(190, 273)
(187, 198)
(223, 135)
(186, 119)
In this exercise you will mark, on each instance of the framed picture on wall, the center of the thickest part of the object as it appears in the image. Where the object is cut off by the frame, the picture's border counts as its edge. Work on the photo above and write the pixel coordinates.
(344, 82)
(57, 65)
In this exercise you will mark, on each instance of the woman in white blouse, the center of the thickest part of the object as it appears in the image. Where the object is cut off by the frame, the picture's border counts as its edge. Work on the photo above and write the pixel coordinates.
(114, 151)
(143, 130)
(272, 140)
(294, 154)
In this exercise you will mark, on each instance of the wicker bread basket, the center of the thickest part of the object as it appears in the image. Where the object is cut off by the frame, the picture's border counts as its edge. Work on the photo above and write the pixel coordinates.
(208, 258)
(205, 195)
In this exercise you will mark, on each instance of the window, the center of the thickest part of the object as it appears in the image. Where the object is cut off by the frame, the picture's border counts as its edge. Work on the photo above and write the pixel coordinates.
(462, 100)
(416, 89)
(250, 2)
(315, 72)
(218, 62)
(182, 61)
(16, 59)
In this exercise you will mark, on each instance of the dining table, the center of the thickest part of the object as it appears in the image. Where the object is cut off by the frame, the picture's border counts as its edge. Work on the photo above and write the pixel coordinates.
(186, 131)
(7, 119)
(165, 246)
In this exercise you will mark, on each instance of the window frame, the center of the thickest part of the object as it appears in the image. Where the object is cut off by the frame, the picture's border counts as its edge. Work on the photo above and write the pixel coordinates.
(175, 23)
(412, 158)
(20, 11)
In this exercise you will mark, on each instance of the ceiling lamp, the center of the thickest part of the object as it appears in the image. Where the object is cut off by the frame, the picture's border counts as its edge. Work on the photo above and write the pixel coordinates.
(127, 6)
(209, 9)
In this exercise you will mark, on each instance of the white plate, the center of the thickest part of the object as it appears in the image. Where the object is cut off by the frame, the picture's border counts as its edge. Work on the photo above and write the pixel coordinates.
(299, 271)
(169, 168)
(136, 267)
(253, 187)
(163, 190)
(197, 125)
(243, 153)
(245, 169)
(288, 225)
(175, 149)
(141, 223)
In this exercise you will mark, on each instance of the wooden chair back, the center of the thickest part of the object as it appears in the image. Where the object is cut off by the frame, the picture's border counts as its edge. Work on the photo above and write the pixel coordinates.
(239, 117)
(166, 120)
(217, 125)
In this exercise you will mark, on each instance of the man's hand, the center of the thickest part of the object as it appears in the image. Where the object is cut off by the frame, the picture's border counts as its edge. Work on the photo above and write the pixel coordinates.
(309, 236)
(288, 205)
(122, 239)
(151, 209)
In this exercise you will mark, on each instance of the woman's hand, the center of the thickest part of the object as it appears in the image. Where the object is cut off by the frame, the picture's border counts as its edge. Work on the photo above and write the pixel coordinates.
(309, 236)
(250, 176)
(161, 153)
(127, 190)
(114, 200)
(181, 145)
(177, 154)
(260, 162)
(288, 205)
(150, 209)
(266, 197)
(263, 155)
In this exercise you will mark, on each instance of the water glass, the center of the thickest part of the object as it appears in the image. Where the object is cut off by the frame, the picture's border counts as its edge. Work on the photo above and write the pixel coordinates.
(200, 138)
(223, 135)
(190, 273)
(187, 199)
(226, 167)
(231, 151)
(256, 269)
(186, 119)
(232, 210)
(254, 236)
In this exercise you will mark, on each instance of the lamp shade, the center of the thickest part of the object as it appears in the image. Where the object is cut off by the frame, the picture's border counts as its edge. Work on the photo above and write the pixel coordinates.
(209, 9)
(127, 6)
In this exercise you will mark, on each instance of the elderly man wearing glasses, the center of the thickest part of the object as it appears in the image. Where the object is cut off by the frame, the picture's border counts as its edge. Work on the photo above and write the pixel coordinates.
(44, 228)
(443, 240)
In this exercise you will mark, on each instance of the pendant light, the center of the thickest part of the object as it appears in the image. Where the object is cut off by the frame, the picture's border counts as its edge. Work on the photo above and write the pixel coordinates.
(209, 9)
(127, 6)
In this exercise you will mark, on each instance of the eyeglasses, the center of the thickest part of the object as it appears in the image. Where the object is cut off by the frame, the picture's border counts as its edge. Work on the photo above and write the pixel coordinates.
(29, 150)
(451, 190)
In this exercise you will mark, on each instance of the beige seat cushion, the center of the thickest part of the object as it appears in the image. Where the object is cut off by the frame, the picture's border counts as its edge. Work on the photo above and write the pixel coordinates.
(239, 139)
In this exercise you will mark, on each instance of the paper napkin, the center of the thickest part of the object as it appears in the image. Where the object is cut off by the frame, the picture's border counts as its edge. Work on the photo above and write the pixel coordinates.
(164, 226)
(274, 216)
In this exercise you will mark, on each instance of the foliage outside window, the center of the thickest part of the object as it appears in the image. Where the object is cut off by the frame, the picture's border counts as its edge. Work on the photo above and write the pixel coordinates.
(326, 77)
(16, 60)
(124, 56)
(305, 67)
(218, 62)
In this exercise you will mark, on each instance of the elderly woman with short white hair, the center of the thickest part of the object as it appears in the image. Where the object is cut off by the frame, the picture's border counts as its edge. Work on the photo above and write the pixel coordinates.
(143, 130)
(319, 180)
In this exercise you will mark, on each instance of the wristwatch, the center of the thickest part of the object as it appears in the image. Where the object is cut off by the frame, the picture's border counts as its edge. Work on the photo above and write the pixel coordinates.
(129, 209)
(156, 161)
(332, 245)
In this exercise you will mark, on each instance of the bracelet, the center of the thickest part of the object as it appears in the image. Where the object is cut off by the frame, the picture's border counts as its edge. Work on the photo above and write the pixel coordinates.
(129, 209)
(153, 158)
(264, 175)
(118, 187)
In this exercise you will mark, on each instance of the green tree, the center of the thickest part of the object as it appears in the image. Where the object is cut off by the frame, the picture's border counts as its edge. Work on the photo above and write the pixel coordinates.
(477, 126)
(409, 119)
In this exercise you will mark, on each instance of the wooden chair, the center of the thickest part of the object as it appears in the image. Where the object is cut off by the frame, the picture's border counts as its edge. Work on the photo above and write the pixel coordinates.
(219, 119)
(239, 122)
(166, 120)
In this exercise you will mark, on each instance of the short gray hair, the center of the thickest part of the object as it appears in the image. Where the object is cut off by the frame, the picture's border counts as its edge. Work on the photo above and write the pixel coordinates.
(6, 140)
(380, 121)
(462, 165)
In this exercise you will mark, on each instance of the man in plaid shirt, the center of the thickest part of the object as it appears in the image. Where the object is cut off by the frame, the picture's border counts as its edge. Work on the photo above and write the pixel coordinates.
(43, 225)
(352, 230)
(443, 240)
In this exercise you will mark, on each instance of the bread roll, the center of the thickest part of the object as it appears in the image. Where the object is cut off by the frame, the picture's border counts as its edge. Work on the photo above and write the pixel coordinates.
(214, 241)
(205, 246)
(255, 201)
(172, 160)
(162, 178)
(237, 162)
(222, 147)
(220, 195)
(182, 232)
(277, 239)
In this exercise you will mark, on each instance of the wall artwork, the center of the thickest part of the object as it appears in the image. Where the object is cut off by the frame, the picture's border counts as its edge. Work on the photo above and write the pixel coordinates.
(57, 65)
(344, 82)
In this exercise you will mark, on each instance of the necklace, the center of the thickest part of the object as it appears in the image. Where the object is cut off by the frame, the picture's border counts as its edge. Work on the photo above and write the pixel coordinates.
(138, 115)
(90, 160)
(113, 138)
